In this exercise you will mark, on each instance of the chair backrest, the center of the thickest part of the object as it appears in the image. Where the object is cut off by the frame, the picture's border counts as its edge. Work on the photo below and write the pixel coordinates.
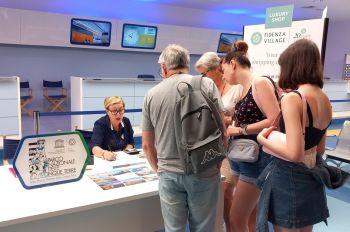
(343, 143)
(87, 136)
(52, 84)
(26, 92)
(24, 85)
(10, 147)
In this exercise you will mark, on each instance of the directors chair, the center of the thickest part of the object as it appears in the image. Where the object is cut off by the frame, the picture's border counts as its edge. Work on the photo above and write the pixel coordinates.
(341, 152)
(55, 94)
(26, 96)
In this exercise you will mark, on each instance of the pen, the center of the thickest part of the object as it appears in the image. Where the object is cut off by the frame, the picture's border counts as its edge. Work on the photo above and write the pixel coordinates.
(110, 150)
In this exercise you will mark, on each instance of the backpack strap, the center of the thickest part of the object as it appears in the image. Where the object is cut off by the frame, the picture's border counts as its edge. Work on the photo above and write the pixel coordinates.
(255, 94)
(196, 82)
(193, 83)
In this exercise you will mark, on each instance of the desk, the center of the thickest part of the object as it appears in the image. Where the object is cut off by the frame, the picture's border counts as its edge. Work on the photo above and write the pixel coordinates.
(78, 206)
(81, 206)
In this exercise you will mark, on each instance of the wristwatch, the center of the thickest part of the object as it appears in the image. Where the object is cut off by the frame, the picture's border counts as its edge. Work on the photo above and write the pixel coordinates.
(244, 129)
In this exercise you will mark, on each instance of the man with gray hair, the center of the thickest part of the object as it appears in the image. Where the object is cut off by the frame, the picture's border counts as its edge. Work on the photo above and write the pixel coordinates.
(183, 197)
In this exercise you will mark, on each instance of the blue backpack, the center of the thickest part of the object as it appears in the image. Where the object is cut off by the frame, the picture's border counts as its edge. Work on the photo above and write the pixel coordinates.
(199, 127)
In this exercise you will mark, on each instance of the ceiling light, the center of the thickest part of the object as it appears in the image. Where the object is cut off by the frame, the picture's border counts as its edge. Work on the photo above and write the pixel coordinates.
(236, 11)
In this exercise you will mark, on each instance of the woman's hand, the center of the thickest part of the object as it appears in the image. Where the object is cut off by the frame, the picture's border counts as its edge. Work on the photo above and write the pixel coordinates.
(265, 133)
(233, 131)
(108, 155)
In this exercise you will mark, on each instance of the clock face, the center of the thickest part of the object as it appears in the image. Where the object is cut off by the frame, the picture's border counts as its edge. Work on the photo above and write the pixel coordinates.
(131, 37)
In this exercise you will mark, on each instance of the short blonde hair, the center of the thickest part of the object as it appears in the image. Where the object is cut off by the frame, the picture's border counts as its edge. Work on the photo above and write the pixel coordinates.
(113, 100)
(209, 60)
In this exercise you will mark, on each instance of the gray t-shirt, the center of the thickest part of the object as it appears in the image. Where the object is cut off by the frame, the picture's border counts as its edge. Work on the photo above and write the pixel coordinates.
(158, 116)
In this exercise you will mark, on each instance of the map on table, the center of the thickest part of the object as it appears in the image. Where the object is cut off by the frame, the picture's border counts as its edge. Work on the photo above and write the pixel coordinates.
(124, 175)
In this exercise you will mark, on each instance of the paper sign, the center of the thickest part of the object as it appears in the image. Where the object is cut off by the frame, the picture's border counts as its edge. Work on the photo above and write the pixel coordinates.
(50, 159)
(277, 17)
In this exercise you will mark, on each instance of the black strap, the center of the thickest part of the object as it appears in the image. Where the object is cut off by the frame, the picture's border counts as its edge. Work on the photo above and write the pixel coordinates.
(308, 108)
(274, 86)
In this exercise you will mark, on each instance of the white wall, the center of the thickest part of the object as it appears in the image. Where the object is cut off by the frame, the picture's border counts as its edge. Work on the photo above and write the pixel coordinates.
(338, 44)
(48, 29)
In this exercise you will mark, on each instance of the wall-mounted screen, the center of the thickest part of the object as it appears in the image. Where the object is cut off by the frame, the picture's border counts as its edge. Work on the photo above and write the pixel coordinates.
(139, 36)
(90, 32)
(226, 40)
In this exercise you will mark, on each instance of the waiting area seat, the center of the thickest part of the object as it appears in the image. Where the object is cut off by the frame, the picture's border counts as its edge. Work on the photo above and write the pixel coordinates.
(26, 96)
(9, 150)
(55, 94)
(341, 152)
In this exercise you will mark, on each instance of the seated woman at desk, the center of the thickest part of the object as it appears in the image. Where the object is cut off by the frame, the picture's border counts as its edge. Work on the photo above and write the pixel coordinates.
(112, 132)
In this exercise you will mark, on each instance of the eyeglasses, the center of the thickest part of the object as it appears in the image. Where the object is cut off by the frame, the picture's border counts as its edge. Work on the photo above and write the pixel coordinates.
(160, 72)
(115, 112)
(204, 74)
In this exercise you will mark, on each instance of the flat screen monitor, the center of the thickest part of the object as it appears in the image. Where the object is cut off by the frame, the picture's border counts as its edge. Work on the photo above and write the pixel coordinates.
(139, 36)
(226, 40)
(90, 32)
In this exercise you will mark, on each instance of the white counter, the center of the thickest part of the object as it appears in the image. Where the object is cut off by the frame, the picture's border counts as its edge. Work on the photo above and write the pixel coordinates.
(78, 206)
(10, 105)
(82, 206)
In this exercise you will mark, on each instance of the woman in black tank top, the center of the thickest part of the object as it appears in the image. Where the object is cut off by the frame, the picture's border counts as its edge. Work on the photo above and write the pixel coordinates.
(288, 182)
(249, 121)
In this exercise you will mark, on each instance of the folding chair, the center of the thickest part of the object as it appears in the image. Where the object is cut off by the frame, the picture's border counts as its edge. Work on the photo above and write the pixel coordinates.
(10, 147)
(57, 94)
(341, 152)
(87, 136)
(26, 96)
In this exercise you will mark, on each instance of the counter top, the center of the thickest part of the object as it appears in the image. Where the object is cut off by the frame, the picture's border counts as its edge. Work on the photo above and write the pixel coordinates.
(21, 205)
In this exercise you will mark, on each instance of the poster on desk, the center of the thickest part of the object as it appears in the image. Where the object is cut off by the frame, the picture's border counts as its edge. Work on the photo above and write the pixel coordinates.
(50, 159)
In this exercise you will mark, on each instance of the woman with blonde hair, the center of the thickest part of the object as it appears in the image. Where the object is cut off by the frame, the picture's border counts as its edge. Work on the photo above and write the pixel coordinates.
(112, 132)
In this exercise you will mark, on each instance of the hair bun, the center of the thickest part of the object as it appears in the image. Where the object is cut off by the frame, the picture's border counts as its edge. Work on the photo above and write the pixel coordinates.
(240, 46)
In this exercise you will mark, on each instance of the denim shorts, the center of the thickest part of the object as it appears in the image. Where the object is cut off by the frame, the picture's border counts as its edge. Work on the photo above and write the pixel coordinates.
(249, 172)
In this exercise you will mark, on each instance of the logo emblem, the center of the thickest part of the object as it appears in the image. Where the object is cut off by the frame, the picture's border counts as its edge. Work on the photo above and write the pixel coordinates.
(72, 142)
(256, 38)
(210, 155)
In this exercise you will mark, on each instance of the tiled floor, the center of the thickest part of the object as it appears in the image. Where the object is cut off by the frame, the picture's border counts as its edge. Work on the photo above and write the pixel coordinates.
(338, 200)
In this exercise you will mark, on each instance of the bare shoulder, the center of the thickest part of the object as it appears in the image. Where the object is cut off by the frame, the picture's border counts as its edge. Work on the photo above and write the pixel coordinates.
(260, 80)
(290, 98)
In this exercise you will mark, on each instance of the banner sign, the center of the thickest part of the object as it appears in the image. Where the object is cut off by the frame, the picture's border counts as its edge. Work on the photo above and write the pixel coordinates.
(277, 17)
(266, 45)
(50, 159)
